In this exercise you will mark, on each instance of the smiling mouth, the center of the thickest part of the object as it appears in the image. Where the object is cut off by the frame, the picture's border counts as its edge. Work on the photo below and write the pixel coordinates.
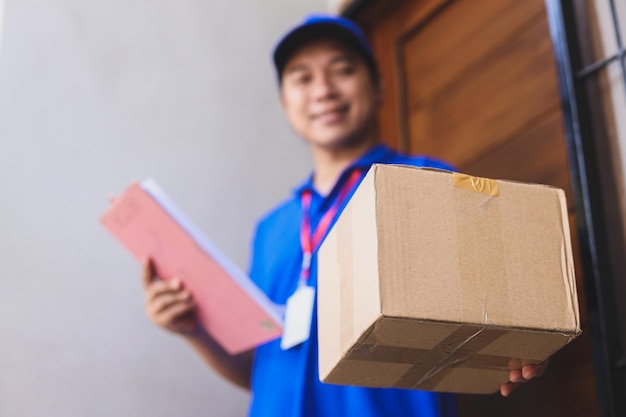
(331, 116)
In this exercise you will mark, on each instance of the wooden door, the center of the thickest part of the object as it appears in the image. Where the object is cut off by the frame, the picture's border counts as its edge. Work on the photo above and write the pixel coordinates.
(474, 82)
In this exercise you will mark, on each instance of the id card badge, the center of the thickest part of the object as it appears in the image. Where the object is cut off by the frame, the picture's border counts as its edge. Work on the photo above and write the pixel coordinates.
(298, 315)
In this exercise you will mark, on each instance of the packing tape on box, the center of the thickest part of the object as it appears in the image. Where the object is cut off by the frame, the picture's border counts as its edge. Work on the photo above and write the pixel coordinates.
(480, 185)
(460, 354)
(483, 270)
(430, 366)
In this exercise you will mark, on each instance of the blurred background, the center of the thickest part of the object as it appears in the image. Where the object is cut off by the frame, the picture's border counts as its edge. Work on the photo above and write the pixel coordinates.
(96, 94)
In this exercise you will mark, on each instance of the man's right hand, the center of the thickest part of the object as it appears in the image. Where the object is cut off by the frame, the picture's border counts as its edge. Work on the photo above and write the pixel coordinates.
(171, 307)
(168, 304)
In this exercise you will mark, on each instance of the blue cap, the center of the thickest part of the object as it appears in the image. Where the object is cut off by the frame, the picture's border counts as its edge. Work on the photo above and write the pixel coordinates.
(316, 26)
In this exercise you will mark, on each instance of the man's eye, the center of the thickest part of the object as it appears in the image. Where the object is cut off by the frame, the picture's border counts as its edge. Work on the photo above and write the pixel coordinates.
(344, 70)
(301, 79)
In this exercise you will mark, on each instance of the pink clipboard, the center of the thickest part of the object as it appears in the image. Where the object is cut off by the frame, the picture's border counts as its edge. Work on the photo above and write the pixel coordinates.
(232, 309)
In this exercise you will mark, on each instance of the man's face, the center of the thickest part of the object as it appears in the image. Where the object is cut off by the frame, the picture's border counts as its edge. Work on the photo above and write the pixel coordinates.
(328, 95)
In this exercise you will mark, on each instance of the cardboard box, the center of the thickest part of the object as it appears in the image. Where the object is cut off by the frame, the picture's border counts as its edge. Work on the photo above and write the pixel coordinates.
(440, 281)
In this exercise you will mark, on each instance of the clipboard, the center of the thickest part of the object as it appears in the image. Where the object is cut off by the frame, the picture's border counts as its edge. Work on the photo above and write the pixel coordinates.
(230, 307)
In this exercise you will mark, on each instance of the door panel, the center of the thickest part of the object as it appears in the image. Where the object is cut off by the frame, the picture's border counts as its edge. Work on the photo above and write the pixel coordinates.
(443, 55)
(535, 155)
(496, 99)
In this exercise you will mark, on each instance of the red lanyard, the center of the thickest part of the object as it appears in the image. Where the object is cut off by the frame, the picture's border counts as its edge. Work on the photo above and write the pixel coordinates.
(311, 240)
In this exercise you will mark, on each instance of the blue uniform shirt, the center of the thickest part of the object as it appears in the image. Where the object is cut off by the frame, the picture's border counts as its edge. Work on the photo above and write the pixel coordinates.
(286, 383)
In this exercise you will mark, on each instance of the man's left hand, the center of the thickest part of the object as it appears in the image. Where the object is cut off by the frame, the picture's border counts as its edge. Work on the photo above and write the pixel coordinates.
(519, 376)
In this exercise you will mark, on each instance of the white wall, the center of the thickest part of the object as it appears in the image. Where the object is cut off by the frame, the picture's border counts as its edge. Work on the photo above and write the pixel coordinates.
(1, 21)
(337, 5)
(94, 94)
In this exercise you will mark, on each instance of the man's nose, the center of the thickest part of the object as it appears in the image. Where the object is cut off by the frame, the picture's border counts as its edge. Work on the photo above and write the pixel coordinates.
(324, 87)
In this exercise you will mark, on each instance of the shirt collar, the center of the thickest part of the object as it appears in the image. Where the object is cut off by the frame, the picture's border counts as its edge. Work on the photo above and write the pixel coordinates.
(377, 153)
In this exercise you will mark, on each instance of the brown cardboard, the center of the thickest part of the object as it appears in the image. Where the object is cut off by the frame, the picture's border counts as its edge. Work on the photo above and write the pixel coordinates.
(438, 281)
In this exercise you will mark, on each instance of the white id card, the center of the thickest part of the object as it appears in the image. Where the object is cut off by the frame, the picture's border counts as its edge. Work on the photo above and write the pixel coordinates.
(298, 315)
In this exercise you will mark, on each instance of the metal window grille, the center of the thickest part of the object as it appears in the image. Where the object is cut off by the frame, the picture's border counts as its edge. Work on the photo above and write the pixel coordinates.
(619, 56)
(608, 357)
